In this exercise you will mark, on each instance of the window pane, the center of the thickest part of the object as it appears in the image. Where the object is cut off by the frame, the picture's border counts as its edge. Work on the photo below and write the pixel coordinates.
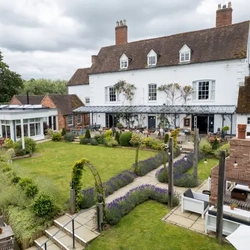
(152, 92)
(187, 56)
(25, 129)
(32, 129)
(18, 131)
(203, 93)
(112, 94)
(151, 60)
(70, 119)
(248, 120)
(38, 129)
(87, 100)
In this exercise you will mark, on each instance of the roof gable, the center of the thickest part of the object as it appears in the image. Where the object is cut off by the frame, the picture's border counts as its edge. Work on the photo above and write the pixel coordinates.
(207, 45)
(185, 48)
(28, 99)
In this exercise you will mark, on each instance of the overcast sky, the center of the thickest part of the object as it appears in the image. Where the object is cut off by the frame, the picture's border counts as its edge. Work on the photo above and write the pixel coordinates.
(52, 38)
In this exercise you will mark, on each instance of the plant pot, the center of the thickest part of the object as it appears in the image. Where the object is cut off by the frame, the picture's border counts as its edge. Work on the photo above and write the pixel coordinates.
(232, 207)
(1, 230)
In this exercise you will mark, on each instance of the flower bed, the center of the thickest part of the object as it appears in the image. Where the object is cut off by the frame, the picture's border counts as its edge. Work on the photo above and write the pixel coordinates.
(181, 177)
(119, 207)
(116, 182)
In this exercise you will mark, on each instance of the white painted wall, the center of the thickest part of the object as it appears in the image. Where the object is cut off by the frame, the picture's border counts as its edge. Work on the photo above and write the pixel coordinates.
(226, 74)
(82, 91)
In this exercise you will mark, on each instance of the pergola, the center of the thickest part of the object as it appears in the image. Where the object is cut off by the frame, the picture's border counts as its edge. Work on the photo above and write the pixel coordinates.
(224, 110)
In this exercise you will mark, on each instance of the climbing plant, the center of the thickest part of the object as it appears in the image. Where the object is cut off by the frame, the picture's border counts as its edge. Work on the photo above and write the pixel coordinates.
(127, 89)
(76, 181)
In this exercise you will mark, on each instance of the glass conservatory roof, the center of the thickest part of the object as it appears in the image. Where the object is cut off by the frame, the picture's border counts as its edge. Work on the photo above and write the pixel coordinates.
(160, 109)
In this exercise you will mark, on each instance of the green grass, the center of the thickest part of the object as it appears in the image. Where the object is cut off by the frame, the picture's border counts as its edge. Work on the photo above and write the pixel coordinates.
(52, 163)
(143, 229)
(204, 170)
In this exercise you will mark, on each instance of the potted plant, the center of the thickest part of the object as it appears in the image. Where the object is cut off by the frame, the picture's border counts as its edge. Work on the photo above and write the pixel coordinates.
(1, 230)
(232, 206)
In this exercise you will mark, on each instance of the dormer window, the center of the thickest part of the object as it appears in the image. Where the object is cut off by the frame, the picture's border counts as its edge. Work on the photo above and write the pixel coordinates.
(152, 58)
(185, 54)
(123, 62)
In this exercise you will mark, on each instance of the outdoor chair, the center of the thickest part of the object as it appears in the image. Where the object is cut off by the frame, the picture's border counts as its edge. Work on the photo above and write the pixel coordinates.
(195, 202)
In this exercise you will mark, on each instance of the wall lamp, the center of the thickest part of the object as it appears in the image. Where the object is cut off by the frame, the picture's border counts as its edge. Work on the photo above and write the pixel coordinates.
(235, 162)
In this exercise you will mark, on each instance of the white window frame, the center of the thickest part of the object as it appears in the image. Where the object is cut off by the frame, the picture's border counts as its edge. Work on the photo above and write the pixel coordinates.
(197, 85)
(87, 100)
(123, 61)
(70, 120)
(152, 95)
(184, 54)
(248, 120)
(151, 58)
(108, 94)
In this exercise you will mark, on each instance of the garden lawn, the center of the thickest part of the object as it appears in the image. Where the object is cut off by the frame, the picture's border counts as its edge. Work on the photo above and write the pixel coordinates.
(143, 229)
(204, 169)
(52, 163)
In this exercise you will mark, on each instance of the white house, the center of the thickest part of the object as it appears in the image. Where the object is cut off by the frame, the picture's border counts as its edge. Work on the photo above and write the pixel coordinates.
(214, 62)
(18, 121)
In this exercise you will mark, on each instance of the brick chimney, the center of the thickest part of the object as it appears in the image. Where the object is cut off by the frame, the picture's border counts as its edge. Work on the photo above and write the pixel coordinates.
(93, 58)
(224, 15)
(121, 32)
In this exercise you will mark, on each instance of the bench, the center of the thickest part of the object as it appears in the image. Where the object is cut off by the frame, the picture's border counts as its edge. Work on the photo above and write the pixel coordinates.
(195, 202)
(231, 220)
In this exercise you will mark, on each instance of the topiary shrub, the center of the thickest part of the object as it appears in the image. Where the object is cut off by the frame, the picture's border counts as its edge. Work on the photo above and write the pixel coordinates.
(125, 138)
(43, 206)
(63, 133)
(84, 140)
(93, 142)
(205, 147)
(166, 138)
(87, 134)
(215, 144)
(117, 136)
(69, 137)
(56, 136)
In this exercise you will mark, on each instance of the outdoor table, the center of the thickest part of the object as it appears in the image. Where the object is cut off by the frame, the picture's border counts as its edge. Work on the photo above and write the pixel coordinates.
(7, 233)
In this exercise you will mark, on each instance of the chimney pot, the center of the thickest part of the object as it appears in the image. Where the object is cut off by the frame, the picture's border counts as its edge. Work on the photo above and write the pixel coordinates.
(93, 58)
(224, 15)
(121, 32)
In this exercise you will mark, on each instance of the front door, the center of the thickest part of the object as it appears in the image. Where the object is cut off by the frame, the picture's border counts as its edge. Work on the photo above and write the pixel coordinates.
(151, 122)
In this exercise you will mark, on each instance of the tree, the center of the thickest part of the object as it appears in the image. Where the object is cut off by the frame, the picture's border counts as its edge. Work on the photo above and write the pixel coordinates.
(11, 83)
(44, 86)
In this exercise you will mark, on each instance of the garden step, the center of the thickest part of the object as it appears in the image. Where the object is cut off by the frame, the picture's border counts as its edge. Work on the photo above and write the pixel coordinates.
(62, 239)
(41, 240)
(31, 248)
(83, 224)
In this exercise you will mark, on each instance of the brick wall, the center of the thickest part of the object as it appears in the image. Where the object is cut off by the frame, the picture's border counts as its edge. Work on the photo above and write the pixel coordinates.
(239, 148)
(14, 101)
(121, 34)
(224, 17)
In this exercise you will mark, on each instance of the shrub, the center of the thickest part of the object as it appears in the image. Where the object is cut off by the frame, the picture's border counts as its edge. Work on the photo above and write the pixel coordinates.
(215, 144)
(125, 138)
(63, 133)
(69, 137)
(87, 134)
(185, 180)
(31, 190)
(43, 206)
(30, 146)
(84, 140)
(119, 207)
(166, 138)
(148, 141)
(136, 140)
(57, 136)
(23, 182)
(205, 147)
(8, 143)
(110, 142)
(116, 182)
(225, 147)
(108, 133)
(100, 138)
(15, 179)
(49, 132)
(117, 136)
(94, 142)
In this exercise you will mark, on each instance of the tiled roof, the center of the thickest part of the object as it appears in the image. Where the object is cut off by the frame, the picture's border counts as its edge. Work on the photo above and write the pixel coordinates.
(243, 106)
(215, 44)
(66, 103)
(33, 99)
(80, 77)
